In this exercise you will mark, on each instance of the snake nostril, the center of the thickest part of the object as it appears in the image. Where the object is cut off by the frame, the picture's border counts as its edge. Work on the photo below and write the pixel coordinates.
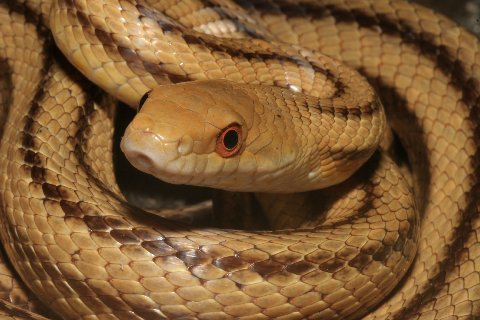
(141, 160)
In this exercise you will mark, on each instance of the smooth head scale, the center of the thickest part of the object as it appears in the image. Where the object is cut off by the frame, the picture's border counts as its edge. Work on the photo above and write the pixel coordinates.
(231, 136)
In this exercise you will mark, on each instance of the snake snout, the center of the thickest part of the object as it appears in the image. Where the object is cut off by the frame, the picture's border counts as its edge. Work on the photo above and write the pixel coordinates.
(141, 160)
(146, 151)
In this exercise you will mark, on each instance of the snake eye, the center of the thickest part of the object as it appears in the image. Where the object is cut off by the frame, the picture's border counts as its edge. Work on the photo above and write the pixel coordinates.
(229, 140)
(142, 100)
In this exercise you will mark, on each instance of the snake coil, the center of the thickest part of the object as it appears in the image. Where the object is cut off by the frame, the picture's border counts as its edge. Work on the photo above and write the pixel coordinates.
(78, 249)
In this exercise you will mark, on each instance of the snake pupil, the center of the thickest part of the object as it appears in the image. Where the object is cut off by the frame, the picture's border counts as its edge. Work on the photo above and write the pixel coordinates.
(142, 100)
(230, 139)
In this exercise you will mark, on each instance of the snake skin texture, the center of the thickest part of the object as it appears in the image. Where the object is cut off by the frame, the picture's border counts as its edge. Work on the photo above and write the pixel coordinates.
(74, 249)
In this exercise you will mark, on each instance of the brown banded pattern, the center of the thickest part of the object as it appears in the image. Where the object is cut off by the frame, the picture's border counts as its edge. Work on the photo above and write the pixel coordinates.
(85, 253)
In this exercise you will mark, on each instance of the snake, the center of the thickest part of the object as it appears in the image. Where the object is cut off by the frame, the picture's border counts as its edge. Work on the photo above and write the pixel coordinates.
(278, 98)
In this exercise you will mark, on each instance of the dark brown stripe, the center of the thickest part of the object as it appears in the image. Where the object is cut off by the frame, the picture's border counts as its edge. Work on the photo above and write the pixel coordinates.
(17, 312)
(28, 134)
(300, 268)
(166, 23)
(226, 15)
(124, 236)
(81, 140)
(38, 173)
(72, 209)
(31, 16)
(158, 248)
(32, 158)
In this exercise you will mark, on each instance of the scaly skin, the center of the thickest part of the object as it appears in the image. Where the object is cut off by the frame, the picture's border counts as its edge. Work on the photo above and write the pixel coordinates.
(86, 254)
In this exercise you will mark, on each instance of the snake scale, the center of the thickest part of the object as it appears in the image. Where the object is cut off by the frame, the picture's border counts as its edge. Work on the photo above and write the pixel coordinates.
(84, 253)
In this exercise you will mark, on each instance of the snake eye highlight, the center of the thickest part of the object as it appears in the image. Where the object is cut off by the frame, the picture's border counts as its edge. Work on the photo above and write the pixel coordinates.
(142, 100)
(229, 140)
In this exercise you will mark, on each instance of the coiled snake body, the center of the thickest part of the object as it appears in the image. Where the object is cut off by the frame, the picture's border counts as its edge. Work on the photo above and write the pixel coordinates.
(84, 253)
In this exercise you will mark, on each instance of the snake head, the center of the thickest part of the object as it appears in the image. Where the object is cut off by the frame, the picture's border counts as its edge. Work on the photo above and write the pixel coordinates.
(238, 137)
(192, 133)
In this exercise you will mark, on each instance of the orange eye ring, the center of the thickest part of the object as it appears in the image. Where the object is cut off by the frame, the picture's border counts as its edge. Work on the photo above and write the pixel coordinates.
(229, 140)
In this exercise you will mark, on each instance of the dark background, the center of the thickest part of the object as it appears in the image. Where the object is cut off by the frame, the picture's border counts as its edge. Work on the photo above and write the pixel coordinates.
(465, 12)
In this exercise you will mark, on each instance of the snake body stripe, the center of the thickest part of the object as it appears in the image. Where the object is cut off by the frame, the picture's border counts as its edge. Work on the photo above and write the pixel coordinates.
(110, 222)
